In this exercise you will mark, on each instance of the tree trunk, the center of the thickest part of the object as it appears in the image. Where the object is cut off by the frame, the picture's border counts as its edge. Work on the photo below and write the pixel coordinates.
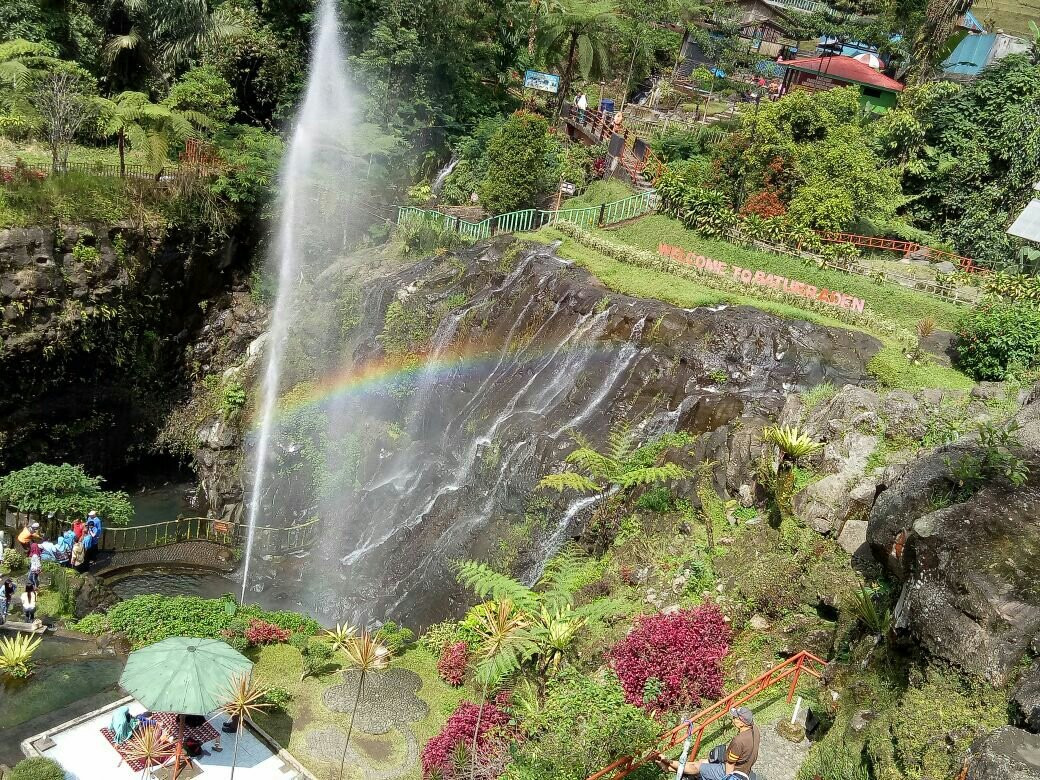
(628, 80)
(565, 82)
(476, 731)
(122, 154)
(532, 30)
(350, 728)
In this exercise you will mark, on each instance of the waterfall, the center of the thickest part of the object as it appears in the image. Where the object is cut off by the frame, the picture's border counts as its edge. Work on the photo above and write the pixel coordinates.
(311, 182)
(444, 173)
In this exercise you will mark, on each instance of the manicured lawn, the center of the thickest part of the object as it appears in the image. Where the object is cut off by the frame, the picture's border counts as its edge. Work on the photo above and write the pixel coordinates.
(36, 153)
(898, 304)
(307, 719)
(600, 192)
(889, 365)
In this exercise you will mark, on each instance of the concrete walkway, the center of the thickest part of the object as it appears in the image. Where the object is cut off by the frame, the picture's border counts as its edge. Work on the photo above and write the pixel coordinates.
(779, 759)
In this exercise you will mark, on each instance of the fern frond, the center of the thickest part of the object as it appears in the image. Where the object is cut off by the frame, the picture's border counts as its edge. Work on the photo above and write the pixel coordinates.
(562, 576)
(486, 582)
(653, 474)
(569, 480)
(621, 441)
(601, 609)
(593, 463)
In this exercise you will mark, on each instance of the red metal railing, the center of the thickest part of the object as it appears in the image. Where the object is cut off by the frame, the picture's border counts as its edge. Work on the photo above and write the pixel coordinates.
(696, 725)
(904, 248)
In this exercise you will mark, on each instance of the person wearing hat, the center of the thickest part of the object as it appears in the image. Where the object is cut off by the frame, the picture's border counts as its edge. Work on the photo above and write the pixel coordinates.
(741, 752)
(29, 535)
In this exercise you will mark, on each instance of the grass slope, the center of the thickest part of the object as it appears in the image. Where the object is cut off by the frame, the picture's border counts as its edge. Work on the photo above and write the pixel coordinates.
(598, 193)
(898, 304)
(889, 365)
(1011, 16)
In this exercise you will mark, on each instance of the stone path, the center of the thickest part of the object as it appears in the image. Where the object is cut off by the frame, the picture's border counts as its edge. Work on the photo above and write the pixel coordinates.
(779, 759)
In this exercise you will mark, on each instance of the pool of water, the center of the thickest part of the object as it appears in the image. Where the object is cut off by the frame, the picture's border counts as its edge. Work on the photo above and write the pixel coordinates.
(159, 504)
(209, 585)
(55, 685)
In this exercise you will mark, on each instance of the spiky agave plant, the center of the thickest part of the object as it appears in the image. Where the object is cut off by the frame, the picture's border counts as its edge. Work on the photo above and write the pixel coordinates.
(341, 636)
(792, 443)
(16, 655)
(366, 654)
(152, 746)
(243, 698)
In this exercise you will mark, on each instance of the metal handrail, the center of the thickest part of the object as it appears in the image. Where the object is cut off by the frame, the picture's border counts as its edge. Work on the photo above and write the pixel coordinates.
(532, 219)
(696, 725)
(903, 247)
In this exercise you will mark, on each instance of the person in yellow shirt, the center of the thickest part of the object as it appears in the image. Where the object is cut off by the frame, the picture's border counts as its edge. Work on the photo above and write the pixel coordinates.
(28, 535)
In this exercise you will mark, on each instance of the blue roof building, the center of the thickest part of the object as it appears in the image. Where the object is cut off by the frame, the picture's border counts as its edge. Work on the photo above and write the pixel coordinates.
(975, 52)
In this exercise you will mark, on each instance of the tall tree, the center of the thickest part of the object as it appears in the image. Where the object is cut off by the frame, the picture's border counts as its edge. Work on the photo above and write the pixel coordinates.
(576, 34)
(148, 126)
(60, 100)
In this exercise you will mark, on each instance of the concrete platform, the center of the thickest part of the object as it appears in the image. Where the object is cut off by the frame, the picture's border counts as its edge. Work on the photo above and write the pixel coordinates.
(85, 754)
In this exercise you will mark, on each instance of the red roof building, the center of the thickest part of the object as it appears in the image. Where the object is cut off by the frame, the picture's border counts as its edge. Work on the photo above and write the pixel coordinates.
(878, 92)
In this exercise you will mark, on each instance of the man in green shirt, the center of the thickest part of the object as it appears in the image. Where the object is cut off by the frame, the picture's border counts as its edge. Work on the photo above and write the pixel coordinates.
(741, 753)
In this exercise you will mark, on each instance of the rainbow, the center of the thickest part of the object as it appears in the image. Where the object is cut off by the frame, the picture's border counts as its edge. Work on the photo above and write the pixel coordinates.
(380, 375)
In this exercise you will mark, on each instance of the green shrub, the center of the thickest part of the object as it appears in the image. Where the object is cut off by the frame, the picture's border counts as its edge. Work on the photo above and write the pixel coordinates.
(517, 175)
(395, 637)
(37, 769)
(66, 491)
(87, 256)
(152, 618)
(232, 399)
(239, 643)
(300, 641)
(14, 560)
(435, 638)
(277, 698)
(95, 624)
(996, 339)
(203, 89)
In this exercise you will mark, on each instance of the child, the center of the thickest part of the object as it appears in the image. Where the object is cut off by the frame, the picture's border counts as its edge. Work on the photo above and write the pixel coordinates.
(29, 603)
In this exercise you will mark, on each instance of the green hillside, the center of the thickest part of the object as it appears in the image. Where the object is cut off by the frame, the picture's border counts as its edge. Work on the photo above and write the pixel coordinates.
(1011, 16)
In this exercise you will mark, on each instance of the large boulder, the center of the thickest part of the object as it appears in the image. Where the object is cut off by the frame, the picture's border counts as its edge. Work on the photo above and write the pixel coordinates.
(1006, 754)
(970, 571)
(1025, 699)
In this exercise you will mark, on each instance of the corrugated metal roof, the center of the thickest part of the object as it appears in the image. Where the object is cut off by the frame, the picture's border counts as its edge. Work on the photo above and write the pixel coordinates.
(845, 69)
(970, 56)
(1027, 225)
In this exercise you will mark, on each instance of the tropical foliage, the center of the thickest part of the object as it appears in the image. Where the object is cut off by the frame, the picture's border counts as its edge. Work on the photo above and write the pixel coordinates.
(16, 654)
(65, 491)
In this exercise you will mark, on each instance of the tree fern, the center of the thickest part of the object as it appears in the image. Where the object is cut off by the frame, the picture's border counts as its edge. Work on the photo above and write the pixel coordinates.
(569, 480)
(563, 576)
(601, 609)
(595, 464)
(652, 475)
(486, 582)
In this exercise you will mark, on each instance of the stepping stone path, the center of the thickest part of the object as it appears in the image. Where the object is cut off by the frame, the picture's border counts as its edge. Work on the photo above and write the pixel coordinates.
(389, 699)
(778, 758)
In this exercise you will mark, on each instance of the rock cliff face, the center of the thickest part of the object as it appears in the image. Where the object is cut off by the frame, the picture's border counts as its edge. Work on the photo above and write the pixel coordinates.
(95, 320)
(523, 349)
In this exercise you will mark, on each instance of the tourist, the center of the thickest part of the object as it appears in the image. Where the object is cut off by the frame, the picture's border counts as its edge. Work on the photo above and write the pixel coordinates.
(35, 565)
(91, 541)
(740, 755)
(79, 557)
(29, 603)
(582, 103)
(79, 528)
(6, 598)
(28, 535)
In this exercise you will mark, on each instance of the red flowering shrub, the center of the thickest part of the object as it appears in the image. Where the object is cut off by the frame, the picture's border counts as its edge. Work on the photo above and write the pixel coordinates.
(260, 632)
(765, 204)
(438, 756)
(452, 664)
(672, 661)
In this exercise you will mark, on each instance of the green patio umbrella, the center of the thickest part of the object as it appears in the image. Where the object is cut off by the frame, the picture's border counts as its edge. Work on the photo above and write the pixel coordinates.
(183, 675)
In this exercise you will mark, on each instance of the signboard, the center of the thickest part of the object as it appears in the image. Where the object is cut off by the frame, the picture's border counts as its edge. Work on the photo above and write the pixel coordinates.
(546, 82)
(761, 278)
(567, 188)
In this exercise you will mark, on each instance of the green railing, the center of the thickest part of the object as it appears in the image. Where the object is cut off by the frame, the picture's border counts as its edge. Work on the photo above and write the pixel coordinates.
(527, 220)
(187, 529)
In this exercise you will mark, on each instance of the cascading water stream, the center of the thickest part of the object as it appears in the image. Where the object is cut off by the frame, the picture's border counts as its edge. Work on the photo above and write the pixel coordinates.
(317, 161)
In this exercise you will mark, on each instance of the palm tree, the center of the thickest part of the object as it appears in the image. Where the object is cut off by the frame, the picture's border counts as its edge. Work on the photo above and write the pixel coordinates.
(243, 699)
(171, 32)
(576, 32)
(366, 654)
(152, 746)
(619, 466)
(499, 626)
(18, 58)
(152, 127)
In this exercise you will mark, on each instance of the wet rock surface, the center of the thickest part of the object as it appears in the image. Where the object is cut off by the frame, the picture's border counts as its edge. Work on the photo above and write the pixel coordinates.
(546, 350)
(1006, 754)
